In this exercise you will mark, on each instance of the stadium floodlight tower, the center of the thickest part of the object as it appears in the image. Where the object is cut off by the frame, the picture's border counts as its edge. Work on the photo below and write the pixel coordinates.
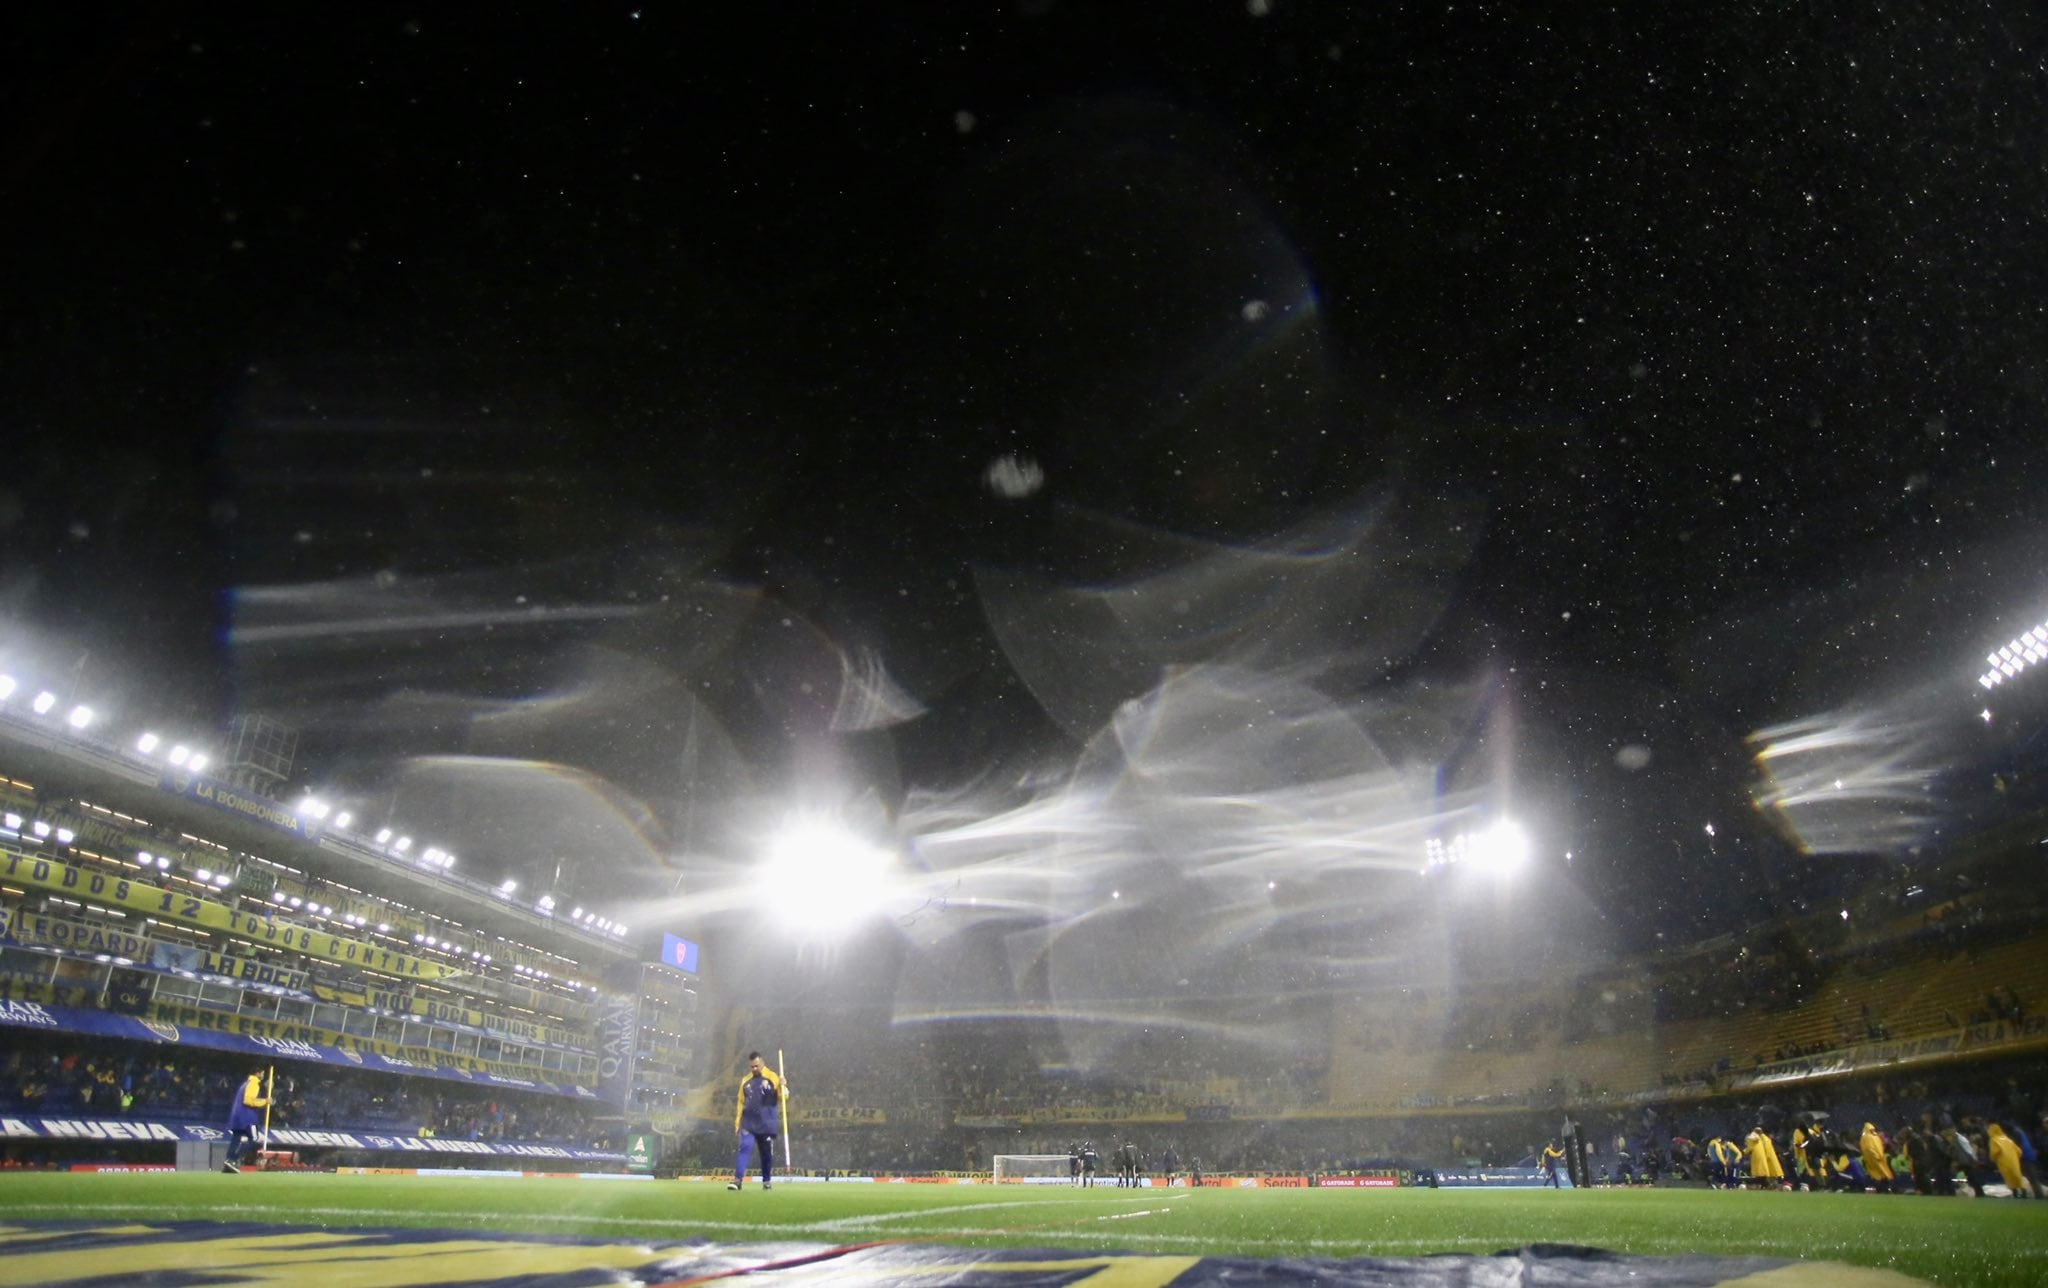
(2027, 649)
(260, 753)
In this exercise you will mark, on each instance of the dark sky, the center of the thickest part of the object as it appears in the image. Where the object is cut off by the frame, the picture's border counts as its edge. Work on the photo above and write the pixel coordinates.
(469, 385)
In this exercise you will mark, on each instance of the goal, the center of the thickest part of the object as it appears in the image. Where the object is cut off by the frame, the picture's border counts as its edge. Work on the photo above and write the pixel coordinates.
(1032, 1169)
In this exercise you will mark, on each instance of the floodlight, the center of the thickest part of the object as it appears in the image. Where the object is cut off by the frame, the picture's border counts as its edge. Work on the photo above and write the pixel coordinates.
(80, 716)
(146, 743)
(163, 862)
(44, 701)
(66, 836)
(297, 902)
(6, 687)
(197, 763)
(620, 929)
(402, 844)
(277, 896)
(221, 879)
(1502, 847)
(383, 928)
(313, 807)
(204, 874)
(507, 886)
(433, 855)
(343, 819)
(180, 754)
(14, 823)
(577, 914)
(820, 878)
(39, 827)
(546, 903)
(383, 835)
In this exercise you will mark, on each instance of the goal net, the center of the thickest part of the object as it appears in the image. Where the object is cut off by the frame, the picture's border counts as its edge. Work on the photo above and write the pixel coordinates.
(1032, 1169)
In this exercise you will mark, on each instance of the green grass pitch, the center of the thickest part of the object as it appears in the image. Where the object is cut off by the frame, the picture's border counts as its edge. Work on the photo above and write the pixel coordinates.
(1961, 1242)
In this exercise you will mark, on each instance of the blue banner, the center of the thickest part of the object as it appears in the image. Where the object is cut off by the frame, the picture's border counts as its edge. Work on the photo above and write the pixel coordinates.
(129, 1131)
(230, 799)
(1499, 1178)
(618, 1041)
(133, 1028)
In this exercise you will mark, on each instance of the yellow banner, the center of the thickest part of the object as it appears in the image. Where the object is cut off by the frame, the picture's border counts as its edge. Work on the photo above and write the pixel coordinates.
(252, 971)
(450, 1013)
(140, 896)
(79, 936)
(281, 1031)
(530, 1031)
(835, 1115)
(345, 996)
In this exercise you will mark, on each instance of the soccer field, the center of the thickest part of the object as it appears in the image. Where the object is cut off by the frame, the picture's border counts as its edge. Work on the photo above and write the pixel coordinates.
(1945, 1241)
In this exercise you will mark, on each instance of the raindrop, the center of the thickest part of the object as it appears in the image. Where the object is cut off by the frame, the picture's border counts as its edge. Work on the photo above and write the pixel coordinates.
(1014, 477)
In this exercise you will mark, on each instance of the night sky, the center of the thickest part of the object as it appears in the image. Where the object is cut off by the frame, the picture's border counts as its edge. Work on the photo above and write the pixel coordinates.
(601, 386)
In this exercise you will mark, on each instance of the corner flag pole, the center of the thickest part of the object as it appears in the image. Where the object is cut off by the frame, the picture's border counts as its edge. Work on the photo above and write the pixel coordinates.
(788, 1118)
(269, 1095)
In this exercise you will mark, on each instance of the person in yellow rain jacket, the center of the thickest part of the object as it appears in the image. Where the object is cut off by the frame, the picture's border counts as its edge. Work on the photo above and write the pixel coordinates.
(1764, 1166)
(758, 1119)
(252, 1100)
(1875, 1164)
(1807, 1156)
(2005, 1156)
(1726, 1157)
(1552, 1156)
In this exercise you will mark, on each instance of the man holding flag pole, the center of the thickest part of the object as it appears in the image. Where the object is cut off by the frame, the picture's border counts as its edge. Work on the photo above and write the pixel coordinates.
(758, 1120)
(253, 1095)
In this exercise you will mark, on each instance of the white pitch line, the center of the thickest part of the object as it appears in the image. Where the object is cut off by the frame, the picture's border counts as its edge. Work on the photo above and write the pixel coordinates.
(493, 1221)
(870, 1221)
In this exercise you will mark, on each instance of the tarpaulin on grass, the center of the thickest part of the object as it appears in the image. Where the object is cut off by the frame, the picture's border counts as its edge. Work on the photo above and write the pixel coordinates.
(204, 1252)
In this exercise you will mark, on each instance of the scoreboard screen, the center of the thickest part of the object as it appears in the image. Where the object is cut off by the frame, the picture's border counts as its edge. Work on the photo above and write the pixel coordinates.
(679, 952)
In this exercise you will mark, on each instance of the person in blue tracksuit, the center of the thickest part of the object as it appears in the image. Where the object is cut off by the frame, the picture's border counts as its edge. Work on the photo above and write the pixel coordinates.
(758, 1119)
(251, 1099)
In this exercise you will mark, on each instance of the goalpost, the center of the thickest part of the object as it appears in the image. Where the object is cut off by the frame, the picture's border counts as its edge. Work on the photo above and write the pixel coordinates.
(1033, 1169)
